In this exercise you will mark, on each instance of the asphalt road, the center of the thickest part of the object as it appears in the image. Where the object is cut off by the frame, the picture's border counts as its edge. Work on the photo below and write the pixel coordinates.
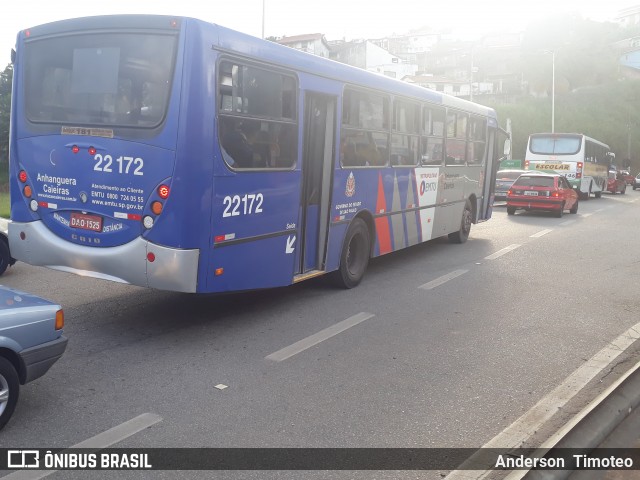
(442, 346)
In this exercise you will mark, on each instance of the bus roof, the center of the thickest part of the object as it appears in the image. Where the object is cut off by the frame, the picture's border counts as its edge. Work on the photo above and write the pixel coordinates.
(567, 134)
(238, 42)
(263, 50)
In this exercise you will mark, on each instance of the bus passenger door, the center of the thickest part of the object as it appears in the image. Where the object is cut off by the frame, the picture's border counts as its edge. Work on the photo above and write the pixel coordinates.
(317, 170)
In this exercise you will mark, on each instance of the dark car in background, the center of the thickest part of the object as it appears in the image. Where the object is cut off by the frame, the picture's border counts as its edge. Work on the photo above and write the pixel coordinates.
(504, 180)
(550, 192)
(616, 183)
(31, 341)
(627, 177)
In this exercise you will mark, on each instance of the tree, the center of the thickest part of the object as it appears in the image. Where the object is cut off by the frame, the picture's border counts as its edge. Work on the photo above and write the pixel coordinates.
(583, 53)
(6, 80)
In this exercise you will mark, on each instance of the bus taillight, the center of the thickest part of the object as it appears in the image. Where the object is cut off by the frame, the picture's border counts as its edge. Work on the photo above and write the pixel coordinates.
(526, 164)
(75, 149)
(22, 176)
(27, 191)
(579, 170)
(156, 207)
(163, 191)
(92, 150)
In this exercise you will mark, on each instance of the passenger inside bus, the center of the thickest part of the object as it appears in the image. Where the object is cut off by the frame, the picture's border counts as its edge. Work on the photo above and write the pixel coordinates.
(249, 144)
(236, 143)
(358, 149)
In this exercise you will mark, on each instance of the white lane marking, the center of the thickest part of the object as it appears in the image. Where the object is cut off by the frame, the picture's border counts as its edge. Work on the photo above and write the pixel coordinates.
(568, 222)
(100, 441)
(443, 279)
(316, 338)
(499, 253)
(585, 215)
(540, 233)
(526, 426)
(599, 210)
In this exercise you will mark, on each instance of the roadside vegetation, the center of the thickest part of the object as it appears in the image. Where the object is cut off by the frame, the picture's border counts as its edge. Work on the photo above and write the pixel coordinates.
(4, 191)
(606, 112)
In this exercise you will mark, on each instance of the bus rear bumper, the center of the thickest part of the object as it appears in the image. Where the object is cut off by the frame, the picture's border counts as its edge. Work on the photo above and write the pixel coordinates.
(173, 269)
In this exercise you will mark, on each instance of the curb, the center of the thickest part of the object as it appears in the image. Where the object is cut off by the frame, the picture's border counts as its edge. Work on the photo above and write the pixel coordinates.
(591, 426)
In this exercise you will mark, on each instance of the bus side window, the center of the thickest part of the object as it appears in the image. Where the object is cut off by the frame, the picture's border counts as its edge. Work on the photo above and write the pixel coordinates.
(477, 140)
(432, 143)
(404, 140)
(364, 139)
(456, 147)
(257, 122)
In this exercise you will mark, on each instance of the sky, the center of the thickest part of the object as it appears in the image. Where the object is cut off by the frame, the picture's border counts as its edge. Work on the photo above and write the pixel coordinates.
(335, 18)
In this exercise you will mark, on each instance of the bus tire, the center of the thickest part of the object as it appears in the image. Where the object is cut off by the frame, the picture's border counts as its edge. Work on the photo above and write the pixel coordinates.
(356, 251)
(462, 235)
(598, 194)
(10, 386)
(5, 256)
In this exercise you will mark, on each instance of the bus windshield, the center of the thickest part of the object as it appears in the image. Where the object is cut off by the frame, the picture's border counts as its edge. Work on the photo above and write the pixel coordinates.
(99, 79)
(555, 145)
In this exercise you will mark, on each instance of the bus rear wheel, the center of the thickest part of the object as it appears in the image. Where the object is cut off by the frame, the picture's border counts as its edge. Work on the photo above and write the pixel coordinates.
(462, 235)
(354, 259)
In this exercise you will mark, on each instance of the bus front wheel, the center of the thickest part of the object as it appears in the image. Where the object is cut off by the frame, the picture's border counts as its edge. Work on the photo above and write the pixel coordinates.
(356, 251)
(462, 235)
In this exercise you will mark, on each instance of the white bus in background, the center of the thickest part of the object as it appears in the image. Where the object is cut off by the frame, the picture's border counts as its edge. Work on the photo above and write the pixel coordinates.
(584, 161)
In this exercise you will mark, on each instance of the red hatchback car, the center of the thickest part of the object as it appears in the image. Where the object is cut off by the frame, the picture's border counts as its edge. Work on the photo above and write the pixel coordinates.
(542, 192)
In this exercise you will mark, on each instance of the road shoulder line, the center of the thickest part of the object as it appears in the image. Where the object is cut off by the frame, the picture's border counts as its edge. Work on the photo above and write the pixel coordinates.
(528, 424)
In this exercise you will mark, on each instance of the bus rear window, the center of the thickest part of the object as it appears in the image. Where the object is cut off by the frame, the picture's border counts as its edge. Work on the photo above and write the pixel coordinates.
(534, 181)
(99, 79)
(555, 145)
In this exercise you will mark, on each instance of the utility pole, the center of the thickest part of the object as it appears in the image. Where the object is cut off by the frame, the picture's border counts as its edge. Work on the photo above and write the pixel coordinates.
(263, 2)
(553, 89)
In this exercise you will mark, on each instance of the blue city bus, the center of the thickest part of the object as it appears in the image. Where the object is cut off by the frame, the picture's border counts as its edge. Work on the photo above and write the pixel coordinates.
(180, 155)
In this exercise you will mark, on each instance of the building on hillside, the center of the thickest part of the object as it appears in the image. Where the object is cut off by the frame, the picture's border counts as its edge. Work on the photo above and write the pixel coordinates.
(314, 43)
(457, 88)
(629, 56)
(413, 46)
(369, 56)
(629, 17)
(498, 58)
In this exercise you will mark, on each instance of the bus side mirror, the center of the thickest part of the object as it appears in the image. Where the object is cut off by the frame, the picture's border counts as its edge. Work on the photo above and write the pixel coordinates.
(13, 55)
(507, 147)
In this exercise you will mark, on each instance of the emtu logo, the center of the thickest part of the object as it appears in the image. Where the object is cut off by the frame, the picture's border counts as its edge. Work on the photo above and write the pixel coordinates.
(23, 459)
